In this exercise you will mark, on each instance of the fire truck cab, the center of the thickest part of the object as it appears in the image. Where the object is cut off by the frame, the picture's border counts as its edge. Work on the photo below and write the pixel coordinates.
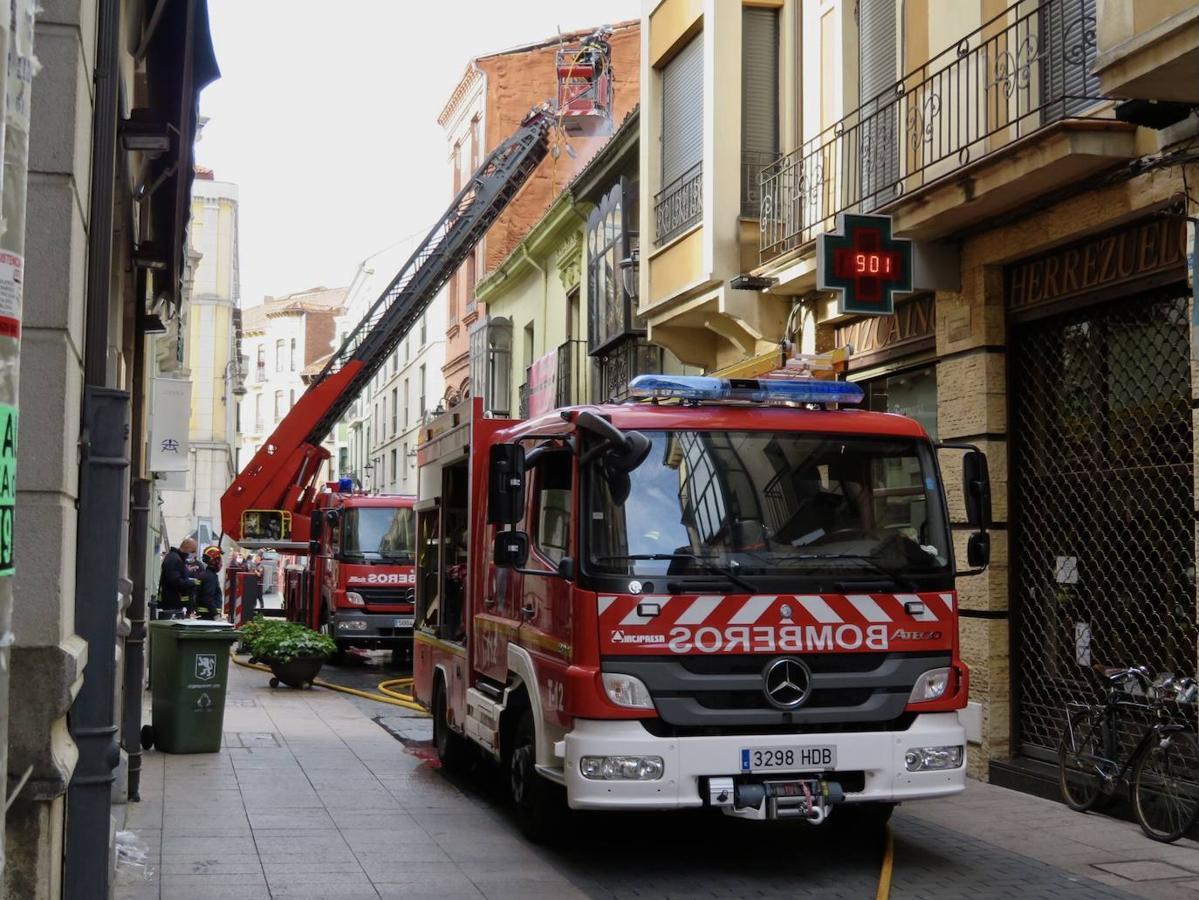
(358, 585)
(703, 598)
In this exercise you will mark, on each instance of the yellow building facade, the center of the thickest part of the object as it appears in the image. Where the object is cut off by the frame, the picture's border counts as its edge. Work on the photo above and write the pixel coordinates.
(1038, 154)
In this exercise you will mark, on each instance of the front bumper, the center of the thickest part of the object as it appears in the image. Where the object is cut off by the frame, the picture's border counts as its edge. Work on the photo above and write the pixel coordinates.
(690, 761)
(361, 629)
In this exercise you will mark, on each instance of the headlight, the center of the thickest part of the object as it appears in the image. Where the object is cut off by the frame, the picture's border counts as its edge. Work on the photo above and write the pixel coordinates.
(930, 686)
(354, 598)
(622, 768)
(924, 759)
(352, 625)
(627, 691)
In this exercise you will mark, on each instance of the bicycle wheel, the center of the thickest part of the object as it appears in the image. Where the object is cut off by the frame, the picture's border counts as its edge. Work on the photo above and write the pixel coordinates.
(1166, 786)
(1080, 754)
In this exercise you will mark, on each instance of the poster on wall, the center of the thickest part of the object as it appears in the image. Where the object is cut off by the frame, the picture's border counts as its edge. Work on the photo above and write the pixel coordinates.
(169, 425)
(543, 384)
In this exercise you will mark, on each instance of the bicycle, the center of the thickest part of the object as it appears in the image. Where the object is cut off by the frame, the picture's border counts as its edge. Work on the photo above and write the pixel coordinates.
(1163, 766)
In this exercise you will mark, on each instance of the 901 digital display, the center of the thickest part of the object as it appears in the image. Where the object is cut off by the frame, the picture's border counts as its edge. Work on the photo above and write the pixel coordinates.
(865, 264)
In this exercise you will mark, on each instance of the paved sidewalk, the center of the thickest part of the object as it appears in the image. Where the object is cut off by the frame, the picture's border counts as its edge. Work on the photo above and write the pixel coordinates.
(1106, 850)
(313, 795)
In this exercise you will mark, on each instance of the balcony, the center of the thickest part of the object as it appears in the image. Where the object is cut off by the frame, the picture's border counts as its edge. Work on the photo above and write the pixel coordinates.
(753, 164)
(522, 409)
(965, 121)
(622, 362)
(679, 205)
(572, 382)
(260, 373)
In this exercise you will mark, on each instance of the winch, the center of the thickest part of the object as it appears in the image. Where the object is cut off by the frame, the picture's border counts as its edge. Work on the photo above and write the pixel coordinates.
(804, 798)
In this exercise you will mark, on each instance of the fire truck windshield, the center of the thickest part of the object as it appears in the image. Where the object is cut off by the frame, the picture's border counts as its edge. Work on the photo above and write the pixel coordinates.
(378, 532)
(753, 503)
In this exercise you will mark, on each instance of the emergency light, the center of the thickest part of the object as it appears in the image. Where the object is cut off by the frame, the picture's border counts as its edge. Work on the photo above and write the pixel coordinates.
(753, 390)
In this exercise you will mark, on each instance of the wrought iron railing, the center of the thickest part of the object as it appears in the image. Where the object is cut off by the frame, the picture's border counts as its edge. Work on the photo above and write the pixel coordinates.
(522, 408)
(573, 363)
(752, 165)
(1021, 71)
(619, 364)
(679, 205)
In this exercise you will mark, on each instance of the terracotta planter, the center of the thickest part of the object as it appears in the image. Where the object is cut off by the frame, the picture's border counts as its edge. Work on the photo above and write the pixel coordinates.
(297, 673)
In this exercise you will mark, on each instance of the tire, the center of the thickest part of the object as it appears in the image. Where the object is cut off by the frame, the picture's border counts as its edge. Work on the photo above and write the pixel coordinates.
(453, 752)
(540, 804)
(274, 682)
(339, 655)
(401, 657)
(1079, 781)
(861, 818)
(1165, 786)
(147, 737)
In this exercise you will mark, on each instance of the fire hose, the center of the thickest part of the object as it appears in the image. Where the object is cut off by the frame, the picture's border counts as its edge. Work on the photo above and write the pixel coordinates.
(390, 696)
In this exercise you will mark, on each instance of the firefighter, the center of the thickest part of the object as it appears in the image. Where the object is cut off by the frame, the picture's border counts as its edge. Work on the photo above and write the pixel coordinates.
(208, 593)
(175, 585)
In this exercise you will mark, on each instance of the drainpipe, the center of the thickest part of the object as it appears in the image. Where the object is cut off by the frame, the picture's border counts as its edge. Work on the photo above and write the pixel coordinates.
(103, 447)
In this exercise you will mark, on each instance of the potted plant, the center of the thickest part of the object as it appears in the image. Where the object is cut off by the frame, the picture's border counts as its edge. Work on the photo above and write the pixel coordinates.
(248, 632)
(294, 653)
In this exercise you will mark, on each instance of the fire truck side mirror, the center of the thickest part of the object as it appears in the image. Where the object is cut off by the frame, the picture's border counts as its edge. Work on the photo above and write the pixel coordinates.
(506, 485)
(977, 488)
(511, 549)
(978, 549)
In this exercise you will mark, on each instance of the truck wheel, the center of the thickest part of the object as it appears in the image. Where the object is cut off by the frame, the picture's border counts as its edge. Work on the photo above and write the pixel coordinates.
(540, 804)
(147, 737)
(339, 655)
(452, 749)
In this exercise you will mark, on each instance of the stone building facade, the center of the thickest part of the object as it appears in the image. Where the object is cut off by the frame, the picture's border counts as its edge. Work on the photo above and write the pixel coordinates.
(1051, 323)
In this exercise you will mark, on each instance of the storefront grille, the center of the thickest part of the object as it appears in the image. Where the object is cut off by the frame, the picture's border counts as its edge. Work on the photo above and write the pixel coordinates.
(1103, 543)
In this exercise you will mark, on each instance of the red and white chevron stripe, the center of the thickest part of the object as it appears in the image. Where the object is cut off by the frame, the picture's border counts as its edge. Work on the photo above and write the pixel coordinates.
(770, 623)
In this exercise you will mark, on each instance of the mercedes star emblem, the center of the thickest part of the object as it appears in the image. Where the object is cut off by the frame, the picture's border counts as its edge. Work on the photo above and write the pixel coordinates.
(787, 682)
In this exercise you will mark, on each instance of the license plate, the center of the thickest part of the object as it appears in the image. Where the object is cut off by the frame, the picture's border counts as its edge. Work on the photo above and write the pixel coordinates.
(405, 622)
(788, 759)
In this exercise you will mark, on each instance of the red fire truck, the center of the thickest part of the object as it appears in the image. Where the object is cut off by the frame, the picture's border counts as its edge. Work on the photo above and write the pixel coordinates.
(731, 594)
(358, 584)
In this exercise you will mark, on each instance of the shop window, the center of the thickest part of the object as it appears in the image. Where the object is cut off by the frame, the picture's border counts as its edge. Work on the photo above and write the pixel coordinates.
(911, 393)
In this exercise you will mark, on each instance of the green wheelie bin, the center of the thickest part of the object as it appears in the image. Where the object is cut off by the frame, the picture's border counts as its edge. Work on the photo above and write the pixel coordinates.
(189, 670)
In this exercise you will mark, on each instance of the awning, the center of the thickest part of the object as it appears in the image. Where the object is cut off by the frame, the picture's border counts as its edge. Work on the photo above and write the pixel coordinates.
(180, 62)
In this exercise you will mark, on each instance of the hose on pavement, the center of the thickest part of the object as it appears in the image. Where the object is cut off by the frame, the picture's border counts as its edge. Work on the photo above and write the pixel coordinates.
(390, 697)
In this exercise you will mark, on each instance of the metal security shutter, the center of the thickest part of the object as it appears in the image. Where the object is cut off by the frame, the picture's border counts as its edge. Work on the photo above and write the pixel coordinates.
(1068, 36)
(759, 100)
(683, 111)
(879, 126)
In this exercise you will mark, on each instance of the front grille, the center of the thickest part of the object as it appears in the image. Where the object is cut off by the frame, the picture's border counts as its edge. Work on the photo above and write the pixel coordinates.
(726, 692)
(659, 728)
(388, 596)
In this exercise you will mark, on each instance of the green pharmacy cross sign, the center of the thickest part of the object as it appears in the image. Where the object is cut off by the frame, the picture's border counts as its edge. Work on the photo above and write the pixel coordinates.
(864, 264)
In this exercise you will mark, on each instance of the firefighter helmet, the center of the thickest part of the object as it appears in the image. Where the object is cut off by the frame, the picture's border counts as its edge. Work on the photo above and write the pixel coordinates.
(212, 557)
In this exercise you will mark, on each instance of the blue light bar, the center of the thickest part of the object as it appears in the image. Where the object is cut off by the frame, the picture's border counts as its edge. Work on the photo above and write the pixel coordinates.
(755, 390)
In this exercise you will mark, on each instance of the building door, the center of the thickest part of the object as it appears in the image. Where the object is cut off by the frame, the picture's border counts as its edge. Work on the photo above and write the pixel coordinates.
(1103, 541)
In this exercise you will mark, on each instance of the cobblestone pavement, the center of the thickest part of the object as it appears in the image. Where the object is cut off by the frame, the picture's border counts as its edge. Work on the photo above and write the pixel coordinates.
(317, 794)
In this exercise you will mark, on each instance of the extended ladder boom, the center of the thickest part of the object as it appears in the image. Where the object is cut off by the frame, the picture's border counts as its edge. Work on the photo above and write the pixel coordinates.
(282, 474)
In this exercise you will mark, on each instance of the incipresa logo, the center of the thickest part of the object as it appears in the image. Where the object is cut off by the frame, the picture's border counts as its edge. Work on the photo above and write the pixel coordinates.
(384, 578)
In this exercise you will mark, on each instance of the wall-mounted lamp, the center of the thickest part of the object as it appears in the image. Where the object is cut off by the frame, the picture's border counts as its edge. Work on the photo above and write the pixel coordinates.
(147, 255)
(152, 324)
(142, 133)
(630, 269)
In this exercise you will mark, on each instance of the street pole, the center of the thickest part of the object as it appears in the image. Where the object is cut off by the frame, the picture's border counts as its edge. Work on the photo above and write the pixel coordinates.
(15, 83)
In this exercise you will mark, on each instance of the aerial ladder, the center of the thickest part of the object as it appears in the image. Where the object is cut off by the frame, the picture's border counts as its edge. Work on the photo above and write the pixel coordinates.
(270, 502)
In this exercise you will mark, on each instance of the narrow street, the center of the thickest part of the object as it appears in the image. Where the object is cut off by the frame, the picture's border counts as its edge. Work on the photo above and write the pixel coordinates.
(317, 793)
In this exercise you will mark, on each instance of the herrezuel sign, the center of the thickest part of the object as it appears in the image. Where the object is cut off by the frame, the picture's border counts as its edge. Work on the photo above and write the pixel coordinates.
(864, 263)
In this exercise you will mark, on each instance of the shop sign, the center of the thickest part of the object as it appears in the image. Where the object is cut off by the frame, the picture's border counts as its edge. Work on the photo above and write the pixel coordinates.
(912, 321)
(543, 384)
(1101, 262)
(864, 264)
(169, 431)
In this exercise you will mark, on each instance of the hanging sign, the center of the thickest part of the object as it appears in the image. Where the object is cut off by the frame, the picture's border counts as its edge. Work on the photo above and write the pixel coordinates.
(8, 485)
(169, 431)
(543, 384)
(864, 264)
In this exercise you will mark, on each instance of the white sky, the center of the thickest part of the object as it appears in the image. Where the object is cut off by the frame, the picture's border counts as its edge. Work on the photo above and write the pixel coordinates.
(325, 116)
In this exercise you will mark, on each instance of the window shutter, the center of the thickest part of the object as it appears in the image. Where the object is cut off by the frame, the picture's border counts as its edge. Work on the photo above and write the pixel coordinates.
(760, 81)
(683, 111)
(877, 74)
(1068, 57)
